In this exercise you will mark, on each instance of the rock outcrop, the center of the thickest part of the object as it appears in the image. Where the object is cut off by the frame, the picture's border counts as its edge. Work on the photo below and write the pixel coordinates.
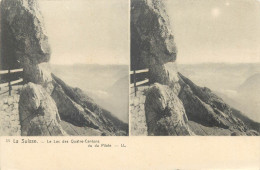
(23, 35)
(152, 41)
(165, 114)
(47, 106)
(38, 113)
(174, 105)
(25, 42)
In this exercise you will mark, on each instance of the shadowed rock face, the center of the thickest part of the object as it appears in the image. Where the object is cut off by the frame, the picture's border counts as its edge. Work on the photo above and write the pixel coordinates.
(165, 114)
(24, 37)
(25, 42)
(38, 113)
(174, 105)
(152, 41)
(46, 98)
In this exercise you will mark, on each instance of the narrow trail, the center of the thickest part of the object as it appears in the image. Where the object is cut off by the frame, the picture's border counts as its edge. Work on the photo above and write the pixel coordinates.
(137, 112)
(9, 114)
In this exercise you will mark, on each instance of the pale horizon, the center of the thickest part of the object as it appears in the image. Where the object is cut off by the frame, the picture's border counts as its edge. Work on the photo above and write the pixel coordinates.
(183, 63)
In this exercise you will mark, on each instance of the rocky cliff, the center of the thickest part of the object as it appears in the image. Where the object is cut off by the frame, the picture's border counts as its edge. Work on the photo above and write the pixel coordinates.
(152, 41)
(174, 105)
(47, 105)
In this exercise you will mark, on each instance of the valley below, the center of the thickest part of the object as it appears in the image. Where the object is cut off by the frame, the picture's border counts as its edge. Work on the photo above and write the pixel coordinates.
(107, 85)
(237, 84)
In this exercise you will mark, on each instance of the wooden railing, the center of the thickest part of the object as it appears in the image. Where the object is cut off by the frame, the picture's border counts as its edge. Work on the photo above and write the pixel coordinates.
(10, 82)
(137, 80)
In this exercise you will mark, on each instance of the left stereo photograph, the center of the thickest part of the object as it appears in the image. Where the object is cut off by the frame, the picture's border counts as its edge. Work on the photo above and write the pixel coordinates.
(64, 68)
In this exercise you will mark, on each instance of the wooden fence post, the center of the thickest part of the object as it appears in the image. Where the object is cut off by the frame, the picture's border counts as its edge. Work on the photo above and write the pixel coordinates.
(149, 79)
(9, 82)
(134, 83)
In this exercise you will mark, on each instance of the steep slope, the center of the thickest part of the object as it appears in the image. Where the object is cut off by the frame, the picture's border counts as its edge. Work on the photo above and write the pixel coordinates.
(204, 107)
(174, 105)
(248, 122)
(47, 105)
(85, 111)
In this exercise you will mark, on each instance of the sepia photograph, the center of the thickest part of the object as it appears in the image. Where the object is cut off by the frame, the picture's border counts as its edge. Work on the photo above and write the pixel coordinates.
(195, 68)
(64, 68)
(129, 84)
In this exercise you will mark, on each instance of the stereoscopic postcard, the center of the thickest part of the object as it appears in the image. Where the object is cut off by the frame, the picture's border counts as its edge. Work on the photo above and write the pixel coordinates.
(130, 84)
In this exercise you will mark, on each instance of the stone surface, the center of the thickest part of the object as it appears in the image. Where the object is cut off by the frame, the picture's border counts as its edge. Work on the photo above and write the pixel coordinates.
(38, 113)
(23, 34)
(165, 114)
(39, 74)
(152, 41)
(137, 112)
(25, 41)
(9, 114)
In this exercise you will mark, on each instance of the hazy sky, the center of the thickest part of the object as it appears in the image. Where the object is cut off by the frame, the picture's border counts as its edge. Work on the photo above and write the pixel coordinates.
(216, 30)
(96, 31)
(87, 31)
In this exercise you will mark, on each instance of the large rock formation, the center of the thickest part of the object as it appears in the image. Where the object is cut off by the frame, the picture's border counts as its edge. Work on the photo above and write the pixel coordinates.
(174, 105)
(38, 113)
(23, 35)
(165, 114)
(46, 99)
(152, 41)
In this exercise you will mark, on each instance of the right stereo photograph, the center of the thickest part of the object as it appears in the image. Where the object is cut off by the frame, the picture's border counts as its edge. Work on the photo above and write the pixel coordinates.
(195, 68)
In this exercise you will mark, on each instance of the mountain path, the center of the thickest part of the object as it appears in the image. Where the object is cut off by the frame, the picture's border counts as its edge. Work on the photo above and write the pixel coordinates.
(9, 114)
(137, 112)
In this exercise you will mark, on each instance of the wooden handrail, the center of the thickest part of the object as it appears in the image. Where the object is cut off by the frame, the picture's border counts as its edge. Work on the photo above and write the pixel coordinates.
(11, 83)
(11, 71)
(16, 81)
(135, 84)
(17, 70)
(3, 71)
(142, 82)
(140, 71)
(139, 83)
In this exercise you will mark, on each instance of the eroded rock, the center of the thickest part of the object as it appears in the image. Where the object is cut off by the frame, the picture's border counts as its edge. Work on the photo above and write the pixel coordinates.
(152, 41)
(23, 34)
(38, 113)
(165, 114)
